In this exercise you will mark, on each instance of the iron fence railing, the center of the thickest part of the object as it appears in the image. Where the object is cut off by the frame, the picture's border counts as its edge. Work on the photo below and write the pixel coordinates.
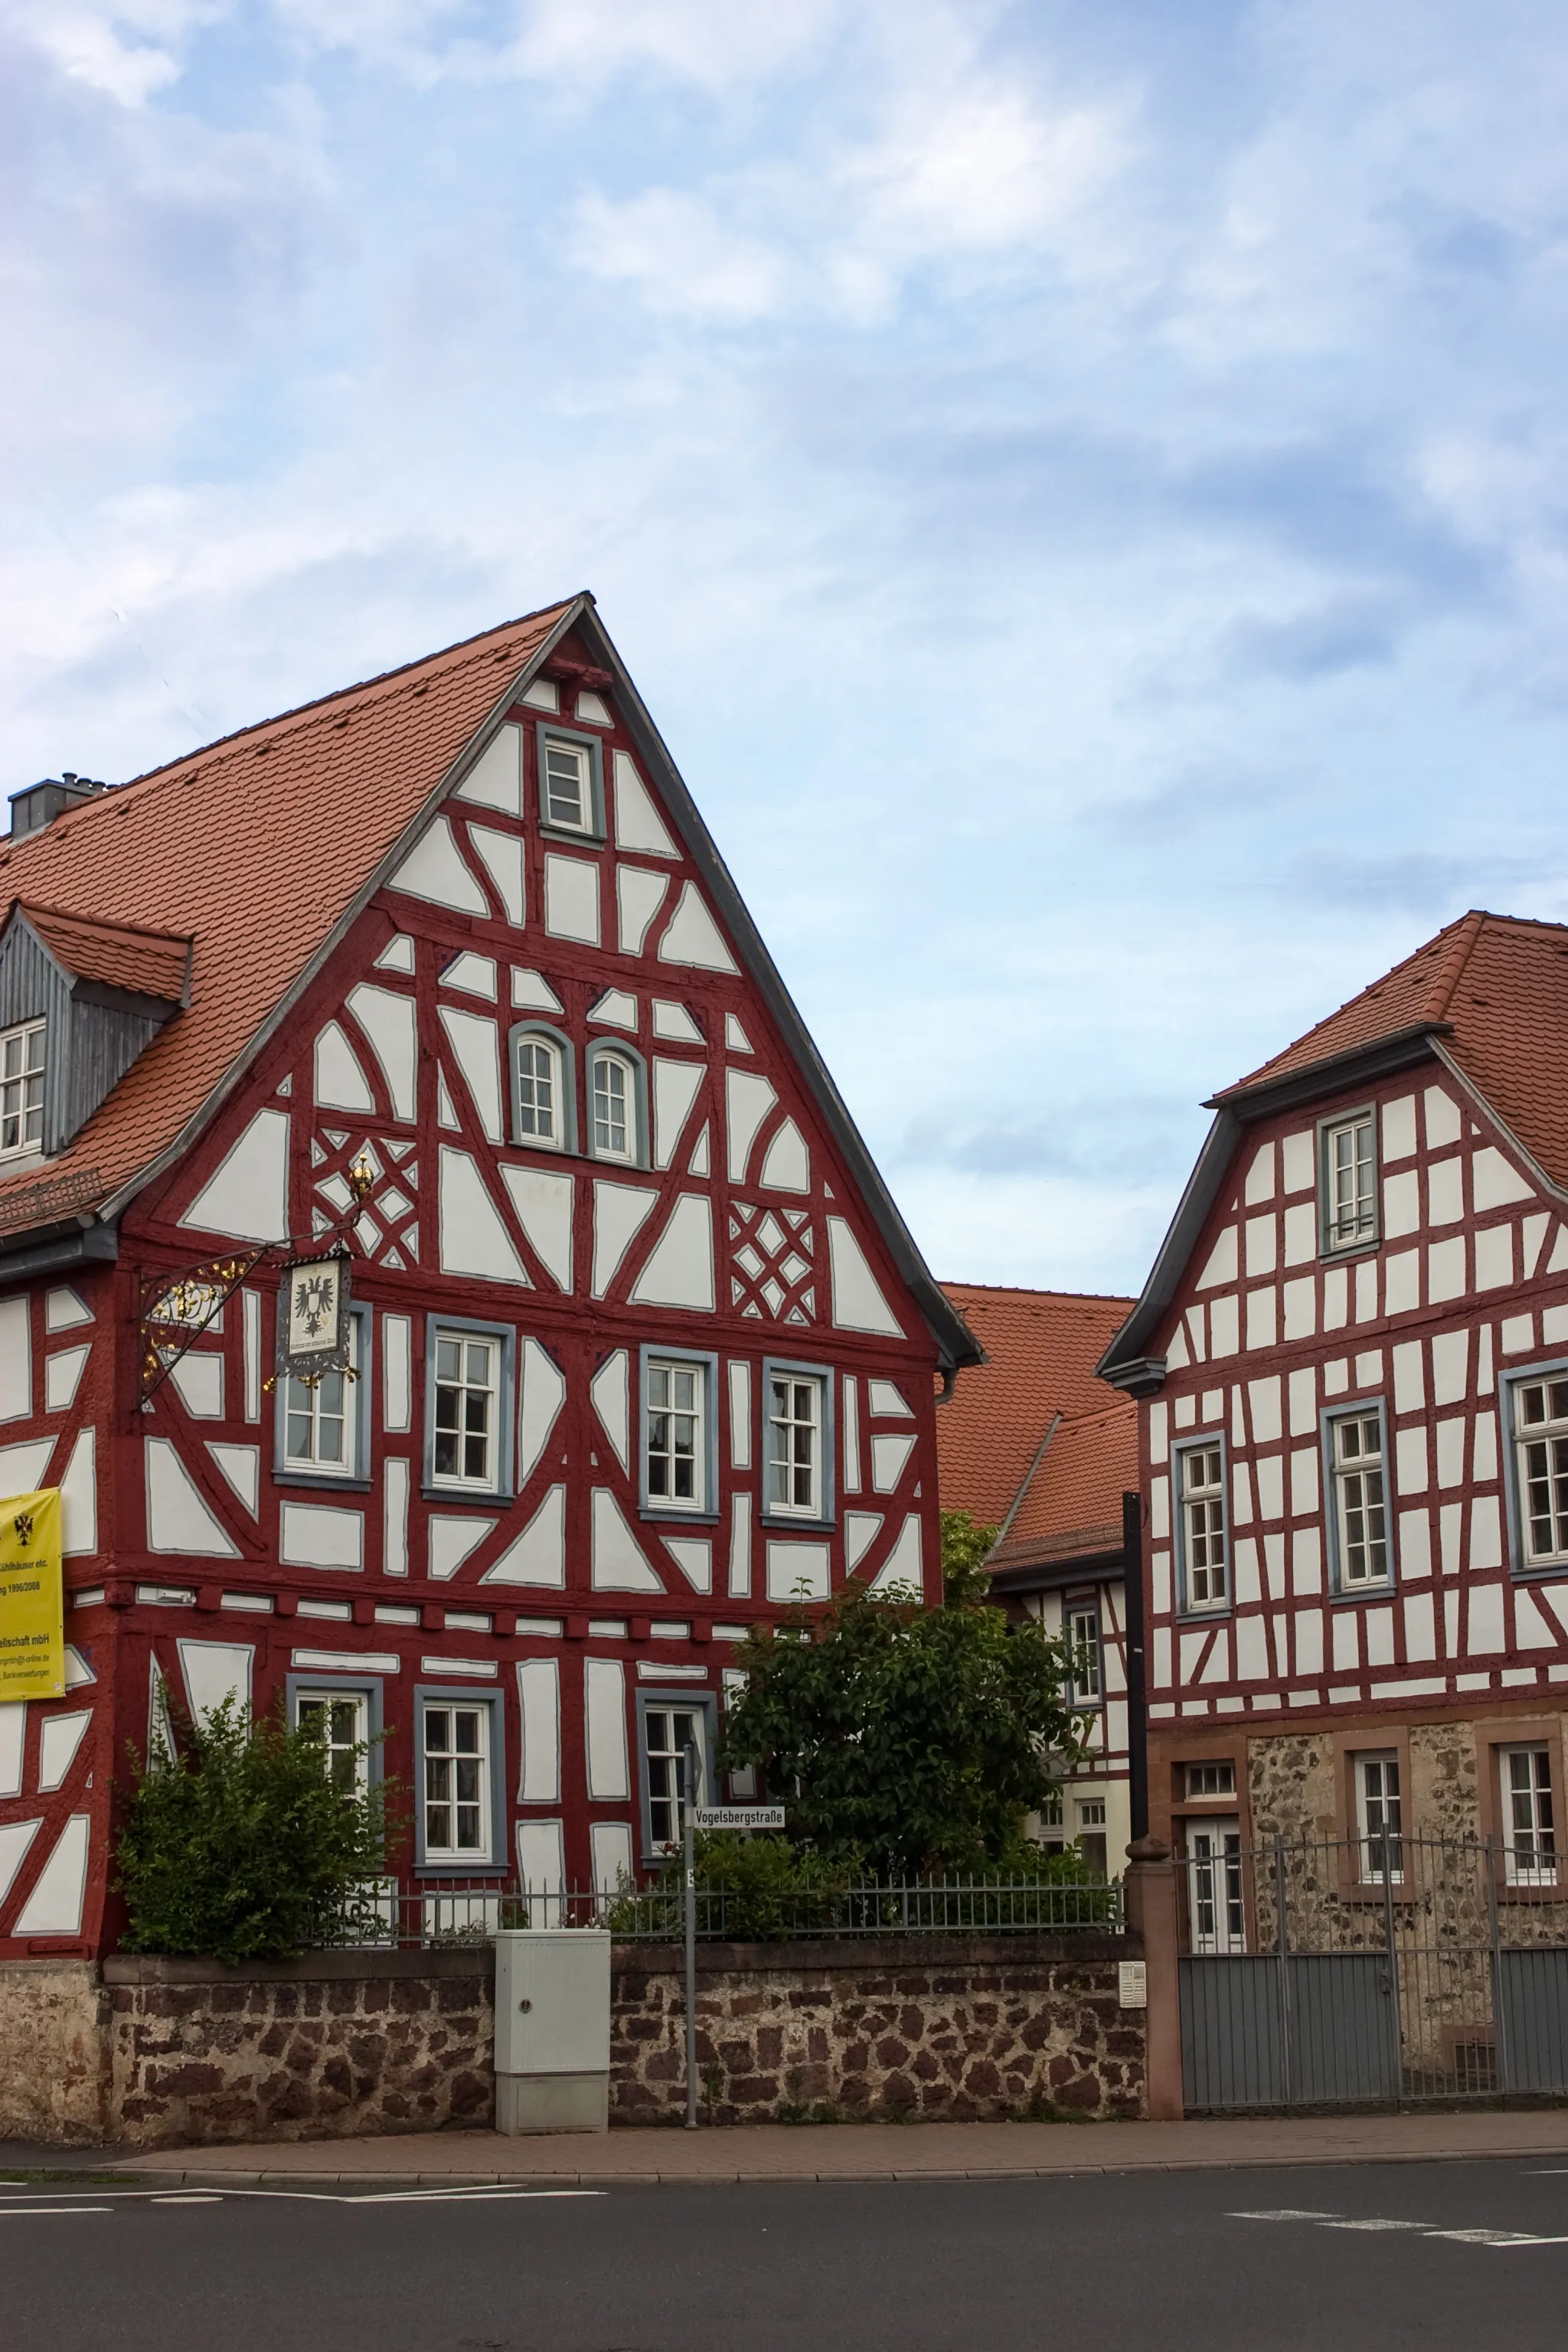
(451, 1915)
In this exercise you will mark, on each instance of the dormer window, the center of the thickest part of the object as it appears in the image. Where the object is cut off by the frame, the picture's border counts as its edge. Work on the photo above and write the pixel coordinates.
(21, 1090)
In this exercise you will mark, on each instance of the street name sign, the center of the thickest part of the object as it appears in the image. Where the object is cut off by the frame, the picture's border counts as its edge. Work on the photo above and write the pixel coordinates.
(737, 1817)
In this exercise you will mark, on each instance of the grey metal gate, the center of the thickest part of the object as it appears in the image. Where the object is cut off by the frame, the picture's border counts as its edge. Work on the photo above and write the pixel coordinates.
(1358, 1971)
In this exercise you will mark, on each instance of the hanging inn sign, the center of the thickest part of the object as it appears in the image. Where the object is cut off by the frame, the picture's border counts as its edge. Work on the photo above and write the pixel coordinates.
(313, 1327)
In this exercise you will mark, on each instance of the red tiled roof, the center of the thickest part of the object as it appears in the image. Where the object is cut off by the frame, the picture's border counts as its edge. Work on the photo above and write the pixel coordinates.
(1498, 986)
(1073, 1506)
(1042, 1347)
(255, 845)
(122, 955)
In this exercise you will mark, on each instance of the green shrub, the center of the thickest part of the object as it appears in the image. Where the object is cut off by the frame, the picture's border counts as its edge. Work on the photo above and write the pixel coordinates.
(238, 1847)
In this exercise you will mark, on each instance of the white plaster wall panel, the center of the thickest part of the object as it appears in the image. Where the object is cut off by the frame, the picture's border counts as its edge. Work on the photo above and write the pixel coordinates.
(1303, 1482)
(1300, 1233)
(679, 1270)
(1377, 1628)
(1162, 1658)
(610, 1855)
(1450, 1451)
(857, 1301)
(1530, 1629)
(1262, 1244)
(59, 1738)
(476, 1045)
(1486, 1533)
(1366, 1291)
(1484, 1460)
(861, 1530)
(197, 1381)
(1558, 1261)
(1241, 1493)
(1345, 1634)
(620, 1212)
(247, 1195)
(434, 870)
(1494, 1257)
(1248, 1585)
(739, 1546)
(1225, 1327)
(1264, 1399)
(592, 711)
(797, 1571)
(1484, 1635)
(213, 1671)
(1494, 1181)
(638, 825)
(1217, 1667)
(888, 1403)
(1336, 1298)
(531, 992)
(1401, 1205)
(698, 1165)
(673, 1022)
(1237, 1415)
(15, 1837)
(1186, 1414)
(1402, 1282)
(891, 1450)
(1273, 1564)
(1222, 1265)
(748, 1100)
(495, 780)
(1553, 1325)
(543, 693)
(619, 1564)
(1176, 1358)
(1410, 1461)
(604, 1707)
(62, 1373)
(692, 937)
(397, 1374)
(1159, 1432)
(639, 895)
(541, 1869)
(1450, 1521)
(1420, 1627)
(17, 1360)
(1409, 1378)
(538, 1556)
(1397, 1128)
(1445, 1192)
(543, 1390)
(1269, 1471)
(1309, 1641)
(1484, 1360)
(320, 1535)
(1159, 1506)
(390, 1023)
(544, 1202)
(394, 1516)
(1414, 1545)
(473, 1238)
(502, 855)
(1197, 1329)
(1251, 1651)
(572, 898)
(54, 1907)
(735, 1037)
(178, 1518)
(1445, 1269)
(339, 1083)
(453, 1540)
(398, 955)
(741, 1416)
(13, 1747)
(539, 1701)
(693, 1555)
(1531, 1236)
(1444, 1124)
(610, 1389)
(614, 1010)
(250, 1318)
(63, 1311)
(1299, 1301)
(1260, 1176)
(1160, 1571)
(1262, 1317)
(79, 1497)
(239, 1466)
(902, 1565)
(1303, 1395)
(1450, 1367)
(676, 1087)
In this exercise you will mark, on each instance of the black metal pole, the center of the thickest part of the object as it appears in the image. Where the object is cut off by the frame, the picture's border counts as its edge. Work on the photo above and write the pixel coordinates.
(1137, 1678)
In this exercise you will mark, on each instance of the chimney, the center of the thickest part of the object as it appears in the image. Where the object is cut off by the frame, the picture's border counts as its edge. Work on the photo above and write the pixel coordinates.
(37, 805)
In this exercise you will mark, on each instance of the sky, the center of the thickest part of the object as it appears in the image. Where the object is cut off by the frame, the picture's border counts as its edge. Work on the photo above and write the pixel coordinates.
(1082, 486)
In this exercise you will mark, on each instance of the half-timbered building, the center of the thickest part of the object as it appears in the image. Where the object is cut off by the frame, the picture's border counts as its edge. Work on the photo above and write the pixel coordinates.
(432, 1003)
(1351, 1362)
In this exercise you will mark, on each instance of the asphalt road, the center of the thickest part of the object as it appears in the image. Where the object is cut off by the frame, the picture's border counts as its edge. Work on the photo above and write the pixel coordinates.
(1436, 2256)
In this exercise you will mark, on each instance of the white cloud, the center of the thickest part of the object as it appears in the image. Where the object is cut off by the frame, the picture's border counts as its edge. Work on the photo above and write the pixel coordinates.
(680, 255)
(125, 52)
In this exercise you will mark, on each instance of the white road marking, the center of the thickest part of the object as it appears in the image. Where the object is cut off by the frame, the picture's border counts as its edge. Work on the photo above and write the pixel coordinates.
(1478, 2237)
(1376, 2225)
(1284, 2213)
(188, 2197)
(466, 2196)
(55, 2209)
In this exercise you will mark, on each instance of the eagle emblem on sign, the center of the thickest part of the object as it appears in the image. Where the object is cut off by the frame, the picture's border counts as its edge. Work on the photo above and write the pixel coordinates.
(22, 1523)
(315, 1305)
(313, 1318)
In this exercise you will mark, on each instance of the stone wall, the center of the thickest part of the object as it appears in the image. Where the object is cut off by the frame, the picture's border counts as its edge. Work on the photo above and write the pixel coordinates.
(964, 2028)
(54, 2053)
(343, 2045)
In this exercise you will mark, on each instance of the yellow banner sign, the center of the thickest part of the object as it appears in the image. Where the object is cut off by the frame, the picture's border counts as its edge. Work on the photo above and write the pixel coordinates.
(32, 1597)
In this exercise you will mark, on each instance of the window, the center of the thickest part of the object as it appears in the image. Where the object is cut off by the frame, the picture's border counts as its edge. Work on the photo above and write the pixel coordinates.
(1202, 1504)
(1361, 1515)
(1091, 1841)
(321, 1418)
(22, 1089)
(465, 1408)
(1216, 1899)
(1529, 1827)
(569, 796)
(673, 1736)
(794, 1443)
(1541, 1443)
(1348, 1158)
(1052, 1825)
(539, 1091)
(617, 1122)
(457, 1783)
(338, 1718)
(1211, 1780)
(1083, 1641)
(1380, 1819)
(675, 1449)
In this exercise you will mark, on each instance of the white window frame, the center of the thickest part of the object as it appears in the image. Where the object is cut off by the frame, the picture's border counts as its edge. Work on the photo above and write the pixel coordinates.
(1217, 1883)
(704, 1371)
(1380, 1816)
(500, 1340)
(635, 1151)
(305, 1693)
(302, 1470)
(19, 1084)
(1341, 1477)
(819, 1511)
(585, 749)
(1213, 1602)
(1521, 1435)
(781, 1442)
(535, 1036)
(663, 1806)
(1335, 1241)
(1221, 1783)
(1530, 1807)
(488, 1782)
(1087, 1692)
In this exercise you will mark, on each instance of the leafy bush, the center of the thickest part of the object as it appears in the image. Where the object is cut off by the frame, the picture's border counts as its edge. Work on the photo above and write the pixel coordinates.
(754, 1889)
(237, 1846)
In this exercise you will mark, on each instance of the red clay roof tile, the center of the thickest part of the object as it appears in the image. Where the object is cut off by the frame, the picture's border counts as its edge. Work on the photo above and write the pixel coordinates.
(122, 955)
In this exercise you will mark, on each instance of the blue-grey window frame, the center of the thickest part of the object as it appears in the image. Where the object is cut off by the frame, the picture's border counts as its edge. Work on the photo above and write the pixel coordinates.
(675, 1513)
(563, 1044)
(355, 1481)
(1333, 1252)
(456, 1694)
(702, 1699)
(441, 1491)
(546, 730)
(370, 1687)
(1089, 1608)
(796, 1367)
(1552, 1368)
(1208, 1613)
(1347, 1408)
(642, 1152)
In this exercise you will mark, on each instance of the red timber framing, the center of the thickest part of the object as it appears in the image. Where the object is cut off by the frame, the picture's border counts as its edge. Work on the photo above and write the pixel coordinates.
(1336, 1373)
(471, 986)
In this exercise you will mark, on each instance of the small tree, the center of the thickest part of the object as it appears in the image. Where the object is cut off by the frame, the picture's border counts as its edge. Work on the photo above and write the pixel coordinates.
(912, 1738)
(237, 1845)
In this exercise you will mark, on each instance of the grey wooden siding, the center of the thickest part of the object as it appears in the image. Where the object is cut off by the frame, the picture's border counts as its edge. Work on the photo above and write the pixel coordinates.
(88, 1047)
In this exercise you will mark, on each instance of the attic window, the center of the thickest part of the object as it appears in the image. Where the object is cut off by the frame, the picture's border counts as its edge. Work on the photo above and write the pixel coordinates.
(21, 1089)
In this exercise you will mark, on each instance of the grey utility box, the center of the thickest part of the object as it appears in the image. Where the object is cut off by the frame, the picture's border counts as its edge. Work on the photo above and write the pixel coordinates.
(552, 2028)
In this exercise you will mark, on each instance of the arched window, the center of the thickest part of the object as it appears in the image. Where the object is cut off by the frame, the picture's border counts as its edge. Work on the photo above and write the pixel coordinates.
(617, 1097)
(542, 1100)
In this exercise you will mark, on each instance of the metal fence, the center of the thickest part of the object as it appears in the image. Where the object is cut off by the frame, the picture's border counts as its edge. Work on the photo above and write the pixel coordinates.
(451, 1915)
(1360, 1970)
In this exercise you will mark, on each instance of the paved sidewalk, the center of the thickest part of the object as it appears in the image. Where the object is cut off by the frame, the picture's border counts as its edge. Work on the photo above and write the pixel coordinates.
(842, 2152)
